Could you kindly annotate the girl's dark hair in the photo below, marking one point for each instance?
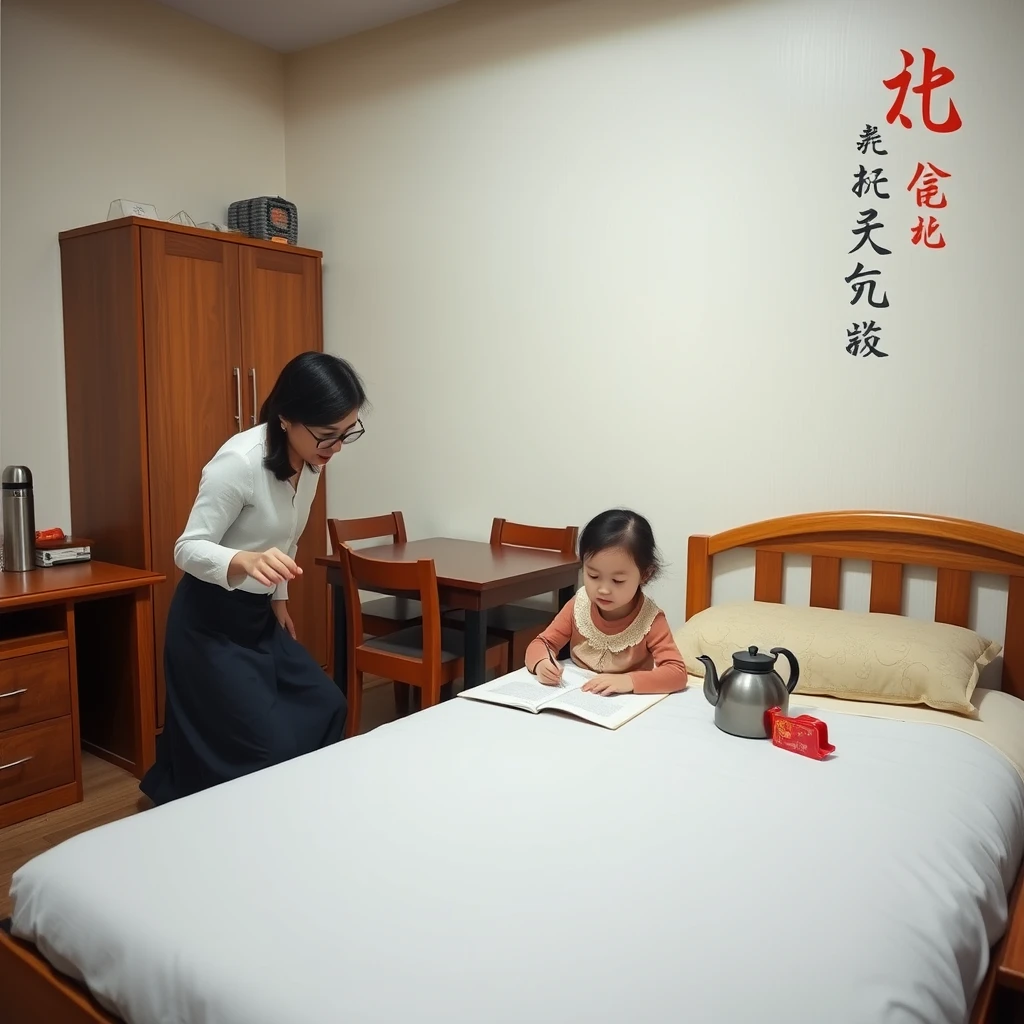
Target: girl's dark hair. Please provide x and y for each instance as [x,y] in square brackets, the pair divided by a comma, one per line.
[621,528]
[314,389]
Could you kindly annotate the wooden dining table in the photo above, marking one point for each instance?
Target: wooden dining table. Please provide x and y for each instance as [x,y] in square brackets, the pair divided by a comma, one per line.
[473,575]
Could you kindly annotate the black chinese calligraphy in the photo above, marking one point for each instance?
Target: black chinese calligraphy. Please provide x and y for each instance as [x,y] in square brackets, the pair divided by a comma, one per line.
[865,181]
[867,225]
[864,338]
[862,281]
[870,139]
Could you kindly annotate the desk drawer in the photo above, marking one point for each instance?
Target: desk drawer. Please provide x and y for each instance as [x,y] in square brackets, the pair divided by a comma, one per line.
[36,758]
[34,688]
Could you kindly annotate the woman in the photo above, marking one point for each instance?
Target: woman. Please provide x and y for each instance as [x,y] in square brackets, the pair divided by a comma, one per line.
[242,692]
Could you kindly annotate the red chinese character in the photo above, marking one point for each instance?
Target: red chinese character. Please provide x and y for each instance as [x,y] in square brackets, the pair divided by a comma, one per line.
[933,78]
[919,232]
[929,188]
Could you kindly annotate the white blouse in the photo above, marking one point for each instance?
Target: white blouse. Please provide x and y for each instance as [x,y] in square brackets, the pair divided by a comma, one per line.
[242,506]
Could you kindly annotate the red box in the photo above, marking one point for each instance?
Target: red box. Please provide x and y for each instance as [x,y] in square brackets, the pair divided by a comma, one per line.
[804,735]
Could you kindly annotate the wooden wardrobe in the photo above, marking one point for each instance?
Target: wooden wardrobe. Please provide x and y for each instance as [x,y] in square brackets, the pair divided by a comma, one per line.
[173,337]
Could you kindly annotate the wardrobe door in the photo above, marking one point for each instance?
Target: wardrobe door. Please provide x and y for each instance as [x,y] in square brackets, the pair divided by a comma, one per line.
[281,316]
[193,387]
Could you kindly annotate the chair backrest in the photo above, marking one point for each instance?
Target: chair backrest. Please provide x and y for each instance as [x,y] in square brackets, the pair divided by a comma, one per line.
[344,530]
[417,578]
[548,538]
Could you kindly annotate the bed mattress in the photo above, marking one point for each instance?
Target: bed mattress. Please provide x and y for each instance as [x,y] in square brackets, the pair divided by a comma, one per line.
[477,863]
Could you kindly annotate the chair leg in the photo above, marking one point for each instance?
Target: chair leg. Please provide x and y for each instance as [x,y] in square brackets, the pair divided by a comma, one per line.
[497,661]
[429,696]
[401,699]
[518,645]
[355,705]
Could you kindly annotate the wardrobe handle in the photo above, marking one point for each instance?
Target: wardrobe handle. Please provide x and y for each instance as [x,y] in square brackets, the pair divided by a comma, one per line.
[14,764]
[252,376]
[14,693]
[238,397]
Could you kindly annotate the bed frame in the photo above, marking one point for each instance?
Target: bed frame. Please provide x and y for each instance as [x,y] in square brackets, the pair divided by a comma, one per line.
[956,549]
[31,992]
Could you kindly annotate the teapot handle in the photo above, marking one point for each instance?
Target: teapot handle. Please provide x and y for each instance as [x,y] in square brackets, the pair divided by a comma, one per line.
[794,667]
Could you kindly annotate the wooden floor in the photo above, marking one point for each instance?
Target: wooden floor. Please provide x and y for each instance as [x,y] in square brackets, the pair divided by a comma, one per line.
[111,793]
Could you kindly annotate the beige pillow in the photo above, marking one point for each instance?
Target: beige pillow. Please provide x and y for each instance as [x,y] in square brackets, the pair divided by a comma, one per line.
[888,659]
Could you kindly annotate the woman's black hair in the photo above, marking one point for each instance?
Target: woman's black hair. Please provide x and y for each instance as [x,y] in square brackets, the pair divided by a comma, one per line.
[314,389]
[622,528]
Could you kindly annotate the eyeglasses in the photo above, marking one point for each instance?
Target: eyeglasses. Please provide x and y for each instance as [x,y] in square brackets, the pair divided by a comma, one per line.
[348,437]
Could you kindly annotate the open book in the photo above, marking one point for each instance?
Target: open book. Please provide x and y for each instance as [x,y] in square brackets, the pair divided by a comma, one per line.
[521,690]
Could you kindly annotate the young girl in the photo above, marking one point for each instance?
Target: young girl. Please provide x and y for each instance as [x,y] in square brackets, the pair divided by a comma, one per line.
[611,626]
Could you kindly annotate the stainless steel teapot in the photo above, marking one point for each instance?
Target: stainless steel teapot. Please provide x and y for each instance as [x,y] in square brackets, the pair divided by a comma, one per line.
[748,689]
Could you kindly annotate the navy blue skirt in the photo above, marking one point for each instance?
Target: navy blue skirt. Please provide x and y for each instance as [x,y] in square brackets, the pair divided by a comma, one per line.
[241,693]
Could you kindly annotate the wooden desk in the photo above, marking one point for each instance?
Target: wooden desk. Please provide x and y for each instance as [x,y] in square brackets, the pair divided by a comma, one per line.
[76,669]
[473,575]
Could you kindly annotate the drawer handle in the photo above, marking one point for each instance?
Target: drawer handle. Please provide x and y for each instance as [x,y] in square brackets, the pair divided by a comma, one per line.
[14,693]
[14,764]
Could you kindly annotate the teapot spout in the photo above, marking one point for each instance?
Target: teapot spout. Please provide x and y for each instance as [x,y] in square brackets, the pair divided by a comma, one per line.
[710,679]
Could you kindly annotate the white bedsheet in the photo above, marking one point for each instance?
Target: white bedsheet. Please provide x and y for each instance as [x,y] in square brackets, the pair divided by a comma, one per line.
[475,863]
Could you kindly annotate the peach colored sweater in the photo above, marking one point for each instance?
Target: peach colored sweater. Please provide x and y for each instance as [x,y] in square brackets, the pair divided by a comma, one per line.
[640,644]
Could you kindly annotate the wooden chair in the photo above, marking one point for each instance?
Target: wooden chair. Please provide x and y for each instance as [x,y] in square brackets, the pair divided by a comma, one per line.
[386,614]
[383,615]
[427,656]
[518,625]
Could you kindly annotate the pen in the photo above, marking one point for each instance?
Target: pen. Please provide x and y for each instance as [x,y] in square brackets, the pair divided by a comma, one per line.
[552,659]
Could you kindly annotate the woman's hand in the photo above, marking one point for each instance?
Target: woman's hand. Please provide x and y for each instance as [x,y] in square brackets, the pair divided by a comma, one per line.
[281,613]
[267,567]
[607,684]
[549,673]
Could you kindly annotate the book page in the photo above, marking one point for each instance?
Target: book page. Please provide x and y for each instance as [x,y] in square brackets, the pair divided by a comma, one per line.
[529,691]
[573,677]
[519,689]
[611,711]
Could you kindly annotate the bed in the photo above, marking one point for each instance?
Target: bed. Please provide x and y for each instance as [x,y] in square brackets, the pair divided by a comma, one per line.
[475,863]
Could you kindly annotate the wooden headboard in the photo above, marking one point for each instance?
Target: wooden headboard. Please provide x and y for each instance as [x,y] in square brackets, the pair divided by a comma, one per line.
[956,548]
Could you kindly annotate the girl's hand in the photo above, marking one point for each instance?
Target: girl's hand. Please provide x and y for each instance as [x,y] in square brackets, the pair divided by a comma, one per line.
[281,613]
[607,684]
[549,674]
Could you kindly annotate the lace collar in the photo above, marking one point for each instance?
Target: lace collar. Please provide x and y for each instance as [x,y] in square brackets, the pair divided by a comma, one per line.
[615,643]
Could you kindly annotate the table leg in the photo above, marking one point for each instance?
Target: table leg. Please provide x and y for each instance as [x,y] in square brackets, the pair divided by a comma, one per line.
[476,649]
[145,682]
[340,643]
[565,595]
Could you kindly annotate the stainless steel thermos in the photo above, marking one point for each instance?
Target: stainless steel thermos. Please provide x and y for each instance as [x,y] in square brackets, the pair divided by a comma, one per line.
[19,518]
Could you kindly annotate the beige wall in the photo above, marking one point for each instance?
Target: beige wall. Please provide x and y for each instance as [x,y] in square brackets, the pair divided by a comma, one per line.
[585,253]
[591,253]
[102,101]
